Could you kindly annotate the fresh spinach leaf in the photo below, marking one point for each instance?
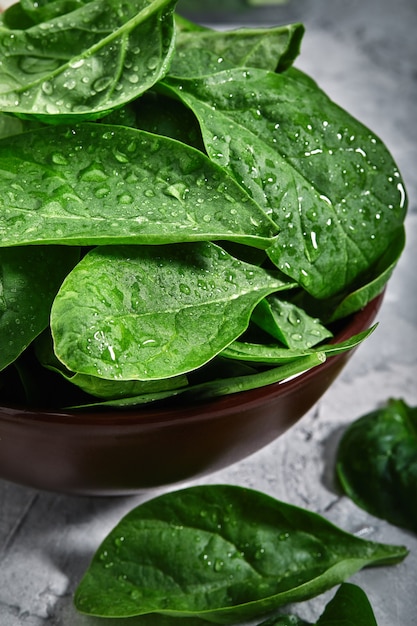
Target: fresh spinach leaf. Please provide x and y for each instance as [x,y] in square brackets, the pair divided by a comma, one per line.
[154,312]
[200,53]
[90,59]
[377,463]
[331,186]
[29,281]
[289,324]
[100,387]
[226,386]
[221,553]
[102,184]
[274,354]
[349,607]
[379,276]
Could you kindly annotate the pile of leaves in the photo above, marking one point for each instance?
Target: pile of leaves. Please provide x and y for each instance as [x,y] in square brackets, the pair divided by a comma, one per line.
[181,210]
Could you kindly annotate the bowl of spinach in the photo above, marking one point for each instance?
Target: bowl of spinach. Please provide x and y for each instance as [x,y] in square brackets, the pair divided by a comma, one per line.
[194,239]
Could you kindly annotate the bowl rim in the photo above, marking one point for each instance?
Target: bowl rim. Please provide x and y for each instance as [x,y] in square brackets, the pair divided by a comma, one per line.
[209,409]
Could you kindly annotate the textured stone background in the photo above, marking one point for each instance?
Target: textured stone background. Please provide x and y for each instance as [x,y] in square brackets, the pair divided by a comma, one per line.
[363,53]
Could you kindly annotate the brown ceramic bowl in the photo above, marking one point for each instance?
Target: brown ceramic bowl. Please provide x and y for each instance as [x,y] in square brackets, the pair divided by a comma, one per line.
[115,452]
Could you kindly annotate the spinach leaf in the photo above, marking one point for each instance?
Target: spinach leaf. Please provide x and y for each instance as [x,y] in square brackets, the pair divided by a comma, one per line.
[90,59]
[377,463]
[100,387]
[331,186]
[200,53]
[97,184]
[349,607]
[146,312]
[226,386]
[290,324]
[222,553]
[29,281]
[380,274]
[274,354]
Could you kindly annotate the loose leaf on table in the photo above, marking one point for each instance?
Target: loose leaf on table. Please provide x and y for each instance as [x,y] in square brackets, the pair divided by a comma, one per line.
[331,186]
[222,553]
[148,312]
[198,53]
[377,463]
[270,354]
[97,184]
[29,280]
[349,607]
[84,62]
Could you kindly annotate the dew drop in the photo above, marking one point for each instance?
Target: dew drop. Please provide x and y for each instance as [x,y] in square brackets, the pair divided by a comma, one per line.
[102,83]
[59,159]
[47,88]
[76,63]
[152,63]
[125,198]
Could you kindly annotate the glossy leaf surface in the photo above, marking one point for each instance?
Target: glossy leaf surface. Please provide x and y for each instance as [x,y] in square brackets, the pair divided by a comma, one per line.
[275,354]
[221,553]
[198,53]
[97,184]
[330,185]
[349,607]
[146,312]
[29,281]
[289,324]
[90,59]
[377,463]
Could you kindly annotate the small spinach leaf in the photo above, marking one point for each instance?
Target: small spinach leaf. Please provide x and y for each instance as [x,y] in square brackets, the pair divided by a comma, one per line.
[222,553]
[29,281]
[331,186]
[377,463]
[87,61]
[288,323]
[154,311]
[275,354]
[102,184]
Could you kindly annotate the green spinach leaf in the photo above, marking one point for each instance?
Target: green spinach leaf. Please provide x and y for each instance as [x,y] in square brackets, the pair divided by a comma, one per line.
[274,354]
[349,607]
[289,324]
[221,553]
[90,59]
[102,184]
[377,463]
[198,53]
[330,185]
[100,387]
[146,312]
[29,281]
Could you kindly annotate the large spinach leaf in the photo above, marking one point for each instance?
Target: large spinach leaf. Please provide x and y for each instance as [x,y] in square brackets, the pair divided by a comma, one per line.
[221,553]
[29,281]
[377,463]
[146,312]
[328,182]
[96,184]
[90,59]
